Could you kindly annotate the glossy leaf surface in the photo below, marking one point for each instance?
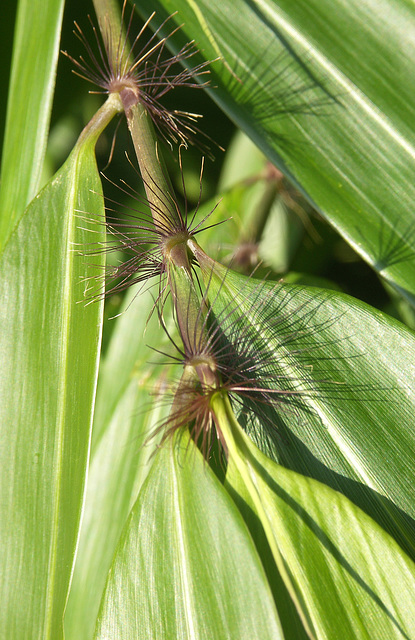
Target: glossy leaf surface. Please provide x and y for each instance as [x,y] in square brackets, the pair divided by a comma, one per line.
[323,544]
[124,442]
[187,540]
[49,345]
[343,402]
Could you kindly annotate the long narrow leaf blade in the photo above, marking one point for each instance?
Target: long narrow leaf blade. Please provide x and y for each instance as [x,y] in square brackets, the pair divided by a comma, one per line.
[347,572]
[49,346]
[35,56]
[341,375]
[130,402]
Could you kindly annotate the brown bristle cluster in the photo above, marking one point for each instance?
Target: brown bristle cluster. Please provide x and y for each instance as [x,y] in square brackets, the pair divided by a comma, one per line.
[144,71]
[224,354]
[143,238]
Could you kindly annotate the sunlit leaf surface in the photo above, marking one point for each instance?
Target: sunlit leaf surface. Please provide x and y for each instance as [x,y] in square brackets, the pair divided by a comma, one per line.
[35,56]
[324,545]
[132,398]
[185,560]
[49,346]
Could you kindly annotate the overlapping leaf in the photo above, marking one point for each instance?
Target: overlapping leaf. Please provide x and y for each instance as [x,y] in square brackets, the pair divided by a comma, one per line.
[35,56]
[185,560]
[49,345]
[128,409]
[342,569]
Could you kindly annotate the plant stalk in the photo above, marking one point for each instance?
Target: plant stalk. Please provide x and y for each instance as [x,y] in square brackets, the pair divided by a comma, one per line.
[102,118]
[158,188]
[144,139]
[141,127]
[109,20]
[186,301]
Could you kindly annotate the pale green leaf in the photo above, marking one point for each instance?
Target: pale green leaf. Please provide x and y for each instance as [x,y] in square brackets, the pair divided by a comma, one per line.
[32,82]
[343,402]
[49,346]
[128,409]
[185,561]
[349,65]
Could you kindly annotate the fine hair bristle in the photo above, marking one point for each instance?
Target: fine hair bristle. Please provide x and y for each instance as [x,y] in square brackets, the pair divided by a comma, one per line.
[144,66]
[140,236]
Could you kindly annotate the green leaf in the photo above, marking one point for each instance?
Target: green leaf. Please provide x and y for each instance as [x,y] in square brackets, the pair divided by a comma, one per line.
[32,82]
[354,156]
[127,356]
[49,345]
[128,408]
[343,401]
[344,570]
[185,560]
